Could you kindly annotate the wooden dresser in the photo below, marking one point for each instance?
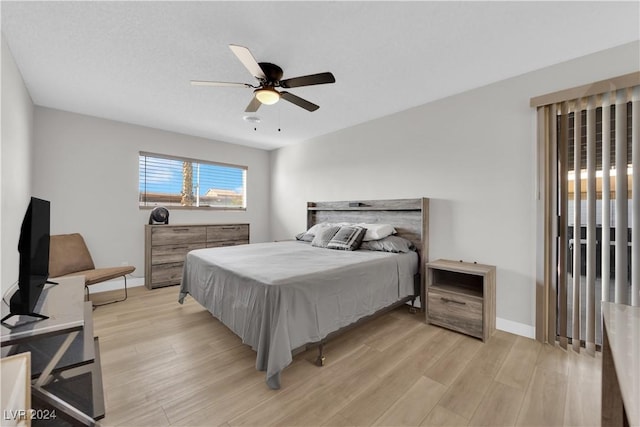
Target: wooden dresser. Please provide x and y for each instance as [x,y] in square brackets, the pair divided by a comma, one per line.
[166,246]
[462,296]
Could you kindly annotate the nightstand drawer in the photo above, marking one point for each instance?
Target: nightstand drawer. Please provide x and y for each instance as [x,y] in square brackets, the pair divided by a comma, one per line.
[462,313]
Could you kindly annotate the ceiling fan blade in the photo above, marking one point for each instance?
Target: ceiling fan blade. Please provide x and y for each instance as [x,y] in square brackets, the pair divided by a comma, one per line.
[247,59]
[223,84]
[309,106]
[253,106]
[312,79]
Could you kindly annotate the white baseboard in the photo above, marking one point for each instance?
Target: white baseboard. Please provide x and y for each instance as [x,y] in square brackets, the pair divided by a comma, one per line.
[516,328]
[115,284]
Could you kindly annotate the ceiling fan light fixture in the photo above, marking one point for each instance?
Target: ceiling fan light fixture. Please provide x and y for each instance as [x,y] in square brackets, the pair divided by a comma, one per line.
[267,95]
[269,78]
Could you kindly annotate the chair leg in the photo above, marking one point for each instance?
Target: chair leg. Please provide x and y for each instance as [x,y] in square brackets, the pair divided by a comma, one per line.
[118,300]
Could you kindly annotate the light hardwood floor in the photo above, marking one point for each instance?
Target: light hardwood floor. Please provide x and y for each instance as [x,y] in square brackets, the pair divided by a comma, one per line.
[166,364]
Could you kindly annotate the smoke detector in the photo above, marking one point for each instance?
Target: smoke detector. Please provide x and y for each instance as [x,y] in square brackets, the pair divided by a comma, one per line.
[251,119]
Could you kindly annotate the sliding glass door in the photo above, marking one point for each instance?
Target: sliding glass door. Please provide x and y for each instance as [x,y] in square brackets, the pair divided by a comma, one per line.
[589,148]
[595,200]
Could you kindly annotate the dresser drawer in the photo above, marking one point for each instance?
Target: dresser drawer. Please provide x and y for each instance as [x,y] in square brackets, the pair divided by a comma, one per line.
[462,313]
[172,253]
[166,274]
[166,247]
[226,233]
[178,235]
[229,243]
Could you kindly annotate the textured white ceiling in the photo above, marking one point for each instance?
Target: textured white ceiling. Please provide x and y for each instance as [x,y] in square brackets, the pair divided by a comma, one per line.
[132,61]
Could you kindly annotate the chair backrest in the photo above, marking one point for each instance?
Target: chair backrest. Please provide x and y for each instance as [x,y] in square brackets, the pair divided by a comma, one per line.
[68,254]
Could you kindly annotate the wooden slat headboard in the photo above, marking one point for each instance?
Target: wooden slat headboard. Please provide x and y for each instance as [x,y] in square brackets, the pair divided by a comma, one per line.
[410,218]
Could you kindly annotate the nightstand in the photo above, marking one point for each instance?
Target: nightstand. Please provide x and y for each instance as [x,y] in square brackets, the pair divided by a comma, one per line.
[461,296]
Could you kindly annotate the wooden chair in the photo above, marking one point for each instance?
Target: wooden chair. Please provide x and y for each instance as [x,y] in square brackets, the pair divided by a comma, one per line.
[69,256]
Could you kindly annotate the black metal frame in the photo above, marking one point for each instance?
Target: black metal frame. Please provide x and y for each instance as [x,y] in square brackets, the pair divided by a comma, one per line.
[86,287]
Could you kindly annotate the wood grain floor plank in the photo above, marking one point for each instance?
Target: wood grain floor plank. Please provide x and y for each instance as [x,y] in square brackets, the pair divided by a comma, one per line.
[407,348]
[414,405]
[499,407]
[136,414]
[198,398]
[451,364]
[169,364]
[402,327]
[443,417]
[337,421]
[218,412]
[553,358]
[544,401]
[489,358]
[583,409]
[466,392]
[518,366]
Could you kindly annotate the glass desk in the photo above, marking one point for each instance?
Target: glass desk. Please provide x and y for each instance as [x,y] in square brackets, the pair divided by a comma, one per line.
[65,357]
[620,365]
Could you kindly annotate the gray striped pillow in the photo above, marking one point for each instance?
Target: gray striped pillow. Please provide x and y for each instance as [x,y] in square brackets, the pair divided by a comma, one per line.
[348,238]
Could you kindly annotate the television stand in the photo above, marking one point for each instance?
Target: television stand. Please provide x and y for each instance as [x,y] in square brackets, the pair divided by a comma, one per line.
[36,315]
[10,315]
[66,376]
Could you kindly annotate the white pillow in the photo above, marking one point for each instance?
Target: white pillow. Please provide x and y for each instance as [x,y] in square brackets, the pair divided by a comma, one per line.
[377,231]
[316,228]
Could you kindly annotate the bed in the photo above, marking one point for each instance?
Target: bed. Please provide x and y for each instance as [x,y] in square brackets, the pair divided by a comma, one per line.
[281,296]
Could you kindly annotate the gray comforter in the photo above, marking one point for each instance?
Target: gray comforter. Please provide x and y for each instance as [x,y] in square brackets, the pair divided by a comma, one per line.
[280,296]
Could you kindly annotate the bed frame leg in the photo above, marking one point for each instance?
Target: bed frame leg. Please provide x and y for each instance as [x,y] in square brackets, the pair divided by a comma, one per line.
[321,359]
[412,308]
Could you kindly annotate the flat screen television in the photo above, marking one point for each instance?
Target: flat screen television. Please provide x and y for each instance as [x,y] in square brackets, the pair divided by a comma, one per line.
[33,247]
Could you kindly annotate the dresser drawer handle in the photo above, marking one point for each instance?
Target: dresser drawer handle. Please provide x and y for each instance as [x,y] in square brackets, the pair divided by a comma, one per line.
[452,300]
[229,228]
[180,229]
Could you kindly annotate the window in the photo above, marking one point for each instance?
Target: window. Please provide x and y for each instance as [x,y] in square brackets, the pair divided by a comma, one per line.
[177,181]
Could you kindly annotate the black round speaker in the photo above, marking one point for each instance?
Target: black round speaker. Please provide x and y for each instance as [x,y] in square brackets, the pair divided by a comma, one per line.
[159,215]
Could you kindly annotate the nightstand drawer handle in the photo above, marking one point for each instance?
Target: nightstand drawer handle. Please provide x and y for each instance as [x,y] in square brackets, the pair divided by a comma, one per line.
[452,300]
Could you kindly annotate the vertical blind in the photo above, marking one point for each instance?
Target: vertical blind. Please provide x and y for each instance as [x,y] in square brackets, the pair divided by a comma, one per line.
[595,141]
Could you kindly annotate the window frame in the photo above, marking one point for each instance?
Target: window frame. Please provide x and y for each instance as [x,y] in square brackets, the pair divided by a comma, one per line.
[244,168]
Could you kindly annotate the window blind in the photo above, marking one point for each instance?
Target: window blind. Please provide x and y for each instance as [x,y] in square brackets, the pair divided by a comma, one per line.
[597,204]
[191,183]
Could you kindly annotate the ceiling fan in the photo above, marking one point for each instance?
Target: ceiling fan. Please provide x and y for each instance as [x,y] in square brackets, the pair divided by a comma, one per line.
[268,76]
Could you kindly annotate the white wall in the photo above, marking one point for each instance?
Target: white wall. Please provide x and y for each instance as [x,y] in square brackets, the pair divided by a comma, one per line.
[88,168]
[473,154]
[15,164]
